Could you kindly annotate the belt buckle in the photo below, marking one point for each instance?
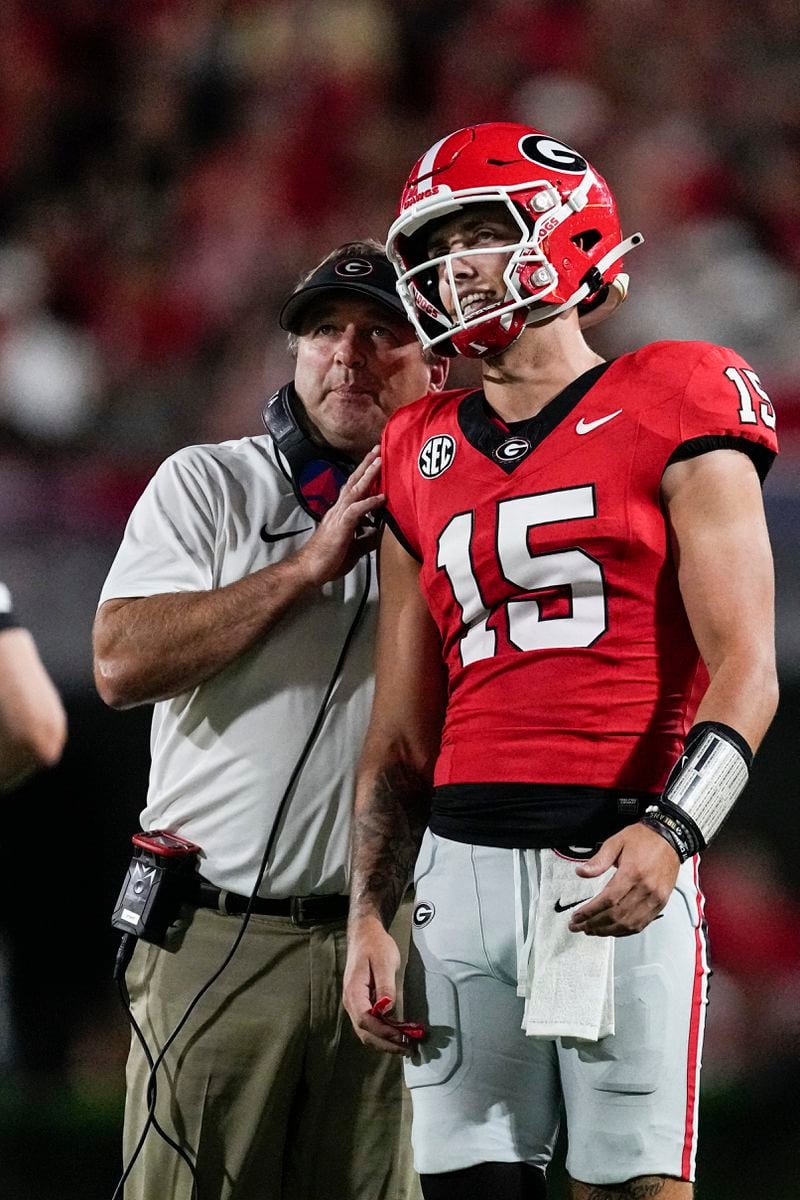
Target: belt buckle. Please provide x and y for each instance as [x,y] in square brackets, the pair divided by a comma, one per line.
[297,910]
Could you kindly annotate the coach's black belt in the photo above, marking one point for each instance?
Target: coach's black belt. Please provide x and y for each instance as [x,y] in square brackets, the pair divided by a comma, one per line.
[303,910]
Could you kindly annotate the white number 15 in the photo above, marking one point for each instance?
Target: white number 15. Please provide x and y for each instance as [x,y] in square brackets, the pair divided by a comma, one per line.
[569,568]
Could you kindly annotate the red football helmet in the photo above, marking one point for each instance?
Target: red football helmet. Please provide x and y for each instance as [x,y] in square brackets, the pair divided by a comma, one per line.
[569,250]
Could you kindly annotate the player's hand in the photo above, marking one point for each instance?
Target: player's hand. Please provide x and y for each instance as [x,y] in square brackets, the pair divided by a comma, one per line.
[340,538]
[373,964]
[647,868]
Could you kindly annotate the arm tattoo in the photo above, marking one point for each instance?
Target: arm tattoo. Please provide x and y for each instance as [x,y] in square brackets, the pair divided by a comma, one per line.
[643,1188]
[386,838]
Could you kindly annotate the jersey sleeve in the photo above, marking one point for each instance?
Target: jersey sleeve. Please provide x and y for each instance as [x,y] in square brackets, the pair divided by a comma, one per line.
[400,511]
[725,406]
[169,541]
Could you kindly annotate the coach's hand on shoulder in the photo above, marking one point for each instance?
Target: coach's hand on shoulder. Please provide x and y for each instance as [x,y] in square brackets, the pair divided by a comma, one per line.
[373,964]
[647,868]
[340,539]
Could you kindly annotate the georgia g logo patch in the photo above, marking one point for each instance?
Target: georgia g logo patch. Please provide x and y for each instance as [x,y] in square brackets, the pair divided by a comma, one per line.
[353,266]
[436,455]
[547,152]
[423,913]
[512,449]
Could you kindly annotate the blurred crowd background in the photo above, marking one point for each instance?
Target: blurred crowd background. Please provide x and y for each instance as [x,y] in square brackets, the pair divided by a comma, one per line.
[168,168]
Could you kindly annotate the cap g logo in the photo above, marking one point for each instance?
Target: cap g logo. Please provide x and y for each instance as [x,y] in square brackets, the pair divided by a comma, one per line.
[436,455]
[351,267]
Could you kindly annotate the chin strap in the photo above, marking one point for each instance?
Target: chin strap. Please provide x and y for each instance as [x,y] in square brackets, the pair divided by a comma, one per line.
[592,282]
[606,302]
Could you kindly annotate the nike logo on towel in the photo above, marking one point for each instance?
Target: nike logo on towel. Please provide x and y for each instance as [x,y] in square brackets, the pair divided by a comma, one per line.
[266,536]
[559,907]
[588,426]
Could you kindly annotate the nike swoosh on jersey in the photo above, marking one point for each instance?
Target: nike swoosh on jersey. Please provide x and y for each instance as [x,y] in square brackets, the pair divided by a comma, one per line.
[266,536]
[587,426]
[559,907]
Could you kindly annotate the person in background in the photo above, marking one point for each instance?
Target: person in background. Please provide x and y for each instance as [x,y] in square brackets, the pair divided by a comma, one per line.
[242,604]
[576,664]
[33,724]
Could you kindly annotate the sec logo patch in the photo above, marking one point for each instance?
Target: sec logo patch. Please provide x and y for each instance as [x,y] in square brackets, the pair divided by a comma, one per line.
[423,913]
[436,455]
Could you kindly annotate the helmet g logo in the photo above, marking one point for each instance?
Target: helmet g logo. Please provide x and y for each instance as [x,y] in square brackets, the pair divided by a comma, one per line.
[547,152]
[353,266]
[436,455]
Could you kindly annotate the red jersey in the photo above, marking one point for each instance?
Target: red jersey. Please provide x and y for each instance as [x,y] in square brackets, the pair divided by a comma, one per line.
[546,564]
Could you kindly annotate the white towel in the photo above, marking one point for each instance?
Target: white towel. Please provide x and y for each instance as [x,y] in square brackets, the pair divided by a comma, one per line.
[567,978]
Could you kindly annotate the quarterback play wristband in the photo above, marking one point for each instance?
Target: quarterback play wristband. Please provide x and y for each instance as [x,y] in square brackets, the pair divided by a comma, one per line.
[702,788]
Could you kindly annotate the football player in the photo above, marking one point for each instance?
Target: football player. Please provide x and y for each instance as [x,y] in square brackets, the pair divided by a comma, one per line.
[575,654]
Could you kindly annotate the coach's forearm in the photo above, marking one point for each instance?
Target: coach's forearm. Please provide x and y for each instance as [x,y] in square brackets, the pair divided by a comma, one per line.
[154,647]
[391,812]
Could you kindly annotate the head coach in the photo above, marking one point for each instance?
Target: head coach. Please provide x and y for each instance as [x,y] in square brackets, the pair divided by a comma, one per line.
[241,604]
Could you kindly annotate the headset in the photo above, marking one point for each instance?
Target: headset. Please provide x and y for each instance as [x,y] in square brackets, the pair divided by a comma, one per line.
[317,474]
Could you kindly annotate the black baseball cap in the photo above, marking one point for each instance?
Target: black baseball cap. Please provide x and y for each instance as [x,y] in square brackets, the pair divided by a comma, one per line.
[369,274]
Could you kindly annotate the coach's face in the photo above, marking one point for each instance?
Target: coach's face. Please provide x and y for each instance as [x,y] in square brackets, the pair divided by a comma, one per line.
[358,361]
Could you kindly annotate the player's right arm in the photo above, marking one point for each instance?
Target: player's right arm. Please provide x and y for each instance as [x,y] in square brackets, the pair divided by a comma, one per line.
[151,648]
[393,786]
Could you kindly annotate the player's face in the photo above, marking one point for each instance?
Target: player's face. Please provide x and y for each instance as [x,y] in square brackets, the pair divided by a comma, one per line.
[478,278]
[357,361]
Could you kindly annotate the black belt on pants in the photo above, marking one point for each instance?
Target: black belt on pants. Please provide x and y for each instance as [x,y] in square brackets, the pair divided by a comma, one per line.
[303,910]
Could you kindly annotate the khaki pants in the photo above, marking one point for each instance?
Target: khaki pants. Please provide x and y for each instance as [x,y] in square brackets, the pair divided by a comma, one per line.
[266,1088]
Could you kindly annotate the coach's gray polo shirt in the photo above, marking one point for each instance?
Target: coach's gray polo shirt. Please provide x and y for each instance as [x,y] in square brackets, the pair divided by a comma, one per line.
[223,753]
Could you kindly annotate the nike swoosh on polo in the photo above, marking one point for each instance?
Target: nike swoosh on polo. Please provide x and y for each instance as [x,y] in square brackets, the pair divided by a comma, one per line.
[587,426]
[266,536]
[559,907]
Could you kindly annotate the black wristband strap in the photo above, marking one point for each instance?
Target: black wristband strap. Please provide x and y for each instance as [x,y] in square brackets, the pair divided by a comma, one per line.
[675,827]
[652,821]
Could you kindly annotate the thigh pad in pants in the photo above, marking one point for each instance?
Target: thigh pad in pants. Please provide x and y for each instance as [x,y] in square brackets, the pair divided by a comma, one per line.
[481,1090]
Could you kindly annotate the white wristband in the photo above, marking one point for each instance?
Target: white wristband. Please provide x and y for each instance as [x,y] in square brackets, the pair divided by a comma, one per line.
[709,777]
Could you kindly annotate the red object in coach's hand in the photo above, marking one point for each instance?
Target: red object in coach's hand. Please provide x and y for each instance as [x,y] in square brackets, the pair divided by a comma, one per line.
[411,1029]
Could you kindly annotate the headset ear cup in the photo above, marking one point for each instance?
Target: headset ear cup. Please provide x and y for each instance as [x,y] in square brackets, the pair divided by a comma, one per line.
[279,418]
[317,472]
